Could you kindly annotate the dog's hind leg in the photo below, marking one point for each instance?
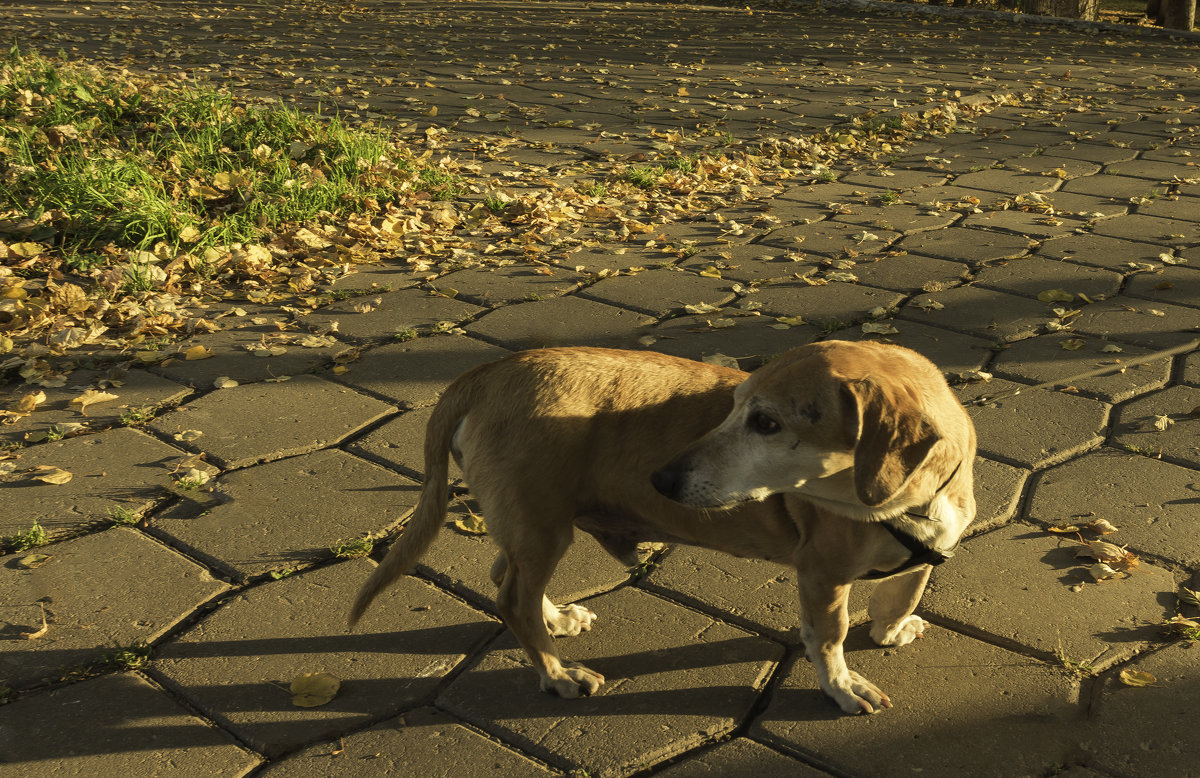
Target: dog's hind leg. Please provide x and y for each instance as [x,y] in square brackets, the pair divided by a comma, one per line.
[561,620]
[892,604]
[523,606]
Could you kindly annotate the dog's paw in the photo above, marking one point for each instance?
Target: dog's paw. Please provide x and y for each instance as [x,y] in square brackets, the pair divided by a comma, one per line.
[568,620]
[576,681]
[901,633]
[855,694]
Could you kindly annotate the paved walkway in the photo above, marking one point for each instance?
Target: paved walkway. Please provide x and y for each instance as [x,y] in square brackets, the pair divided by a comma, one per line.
[1073,167]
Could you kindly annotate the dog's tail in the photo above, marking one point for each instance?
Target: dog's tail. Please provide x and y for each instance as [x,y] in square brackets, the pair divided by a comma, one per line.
[430,512]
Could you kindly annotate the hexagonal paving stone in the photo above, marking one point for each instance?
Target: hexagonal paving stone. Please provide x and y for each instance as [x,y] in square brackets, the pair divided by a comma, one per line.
[112,588]
[675,678]
[424,742]
[1036,428]
[113,725]
[834,304]
[750,340]
[1150,501]
[400,445]
[1174,207]
[563,321]
[238,352]
[137,390]
[493,285]
[235,665]
[900,217]
[998,489]
[376,317]
[246,424]
[1030,276]
[947,690]
[1028,588]
[460,562]
[1149,730]
[1115,187]
[1058,356]
[1090,249]
[756,594]
[1007,181]
[996,316]
[286,514]
[740,757]
[1179,285]
[415,373]
[966,245]
[1153,325]
[658,292]
[1150,229]
[1135,425]
[831,239]
[953,352]
[910,273]
[118,470]
[753,262]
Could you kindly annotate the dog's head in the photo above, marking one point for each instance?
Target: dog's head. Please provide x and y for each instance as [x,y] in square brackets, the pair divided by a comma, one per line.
[851,425]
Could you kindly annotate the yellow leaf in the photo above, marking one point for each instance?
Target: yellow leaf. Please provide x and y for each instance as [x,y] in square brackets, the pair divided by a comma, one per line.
[52,475]
[791,321]
[711,272]
[33,561]
[472,524]
[91,397]
[1063,528]
[1074,344]
[1131,677]
[27,403]
[197,352]
[340,370]
[313,689]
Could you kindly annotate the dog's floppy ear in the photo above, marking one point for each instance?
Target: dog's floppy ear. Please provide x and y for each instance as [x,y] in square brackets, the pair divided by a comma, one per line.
[894,438]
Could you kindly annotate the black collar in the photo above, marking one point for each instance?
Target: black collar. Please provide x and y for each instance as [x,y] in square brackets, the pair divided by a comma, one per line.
[919,553]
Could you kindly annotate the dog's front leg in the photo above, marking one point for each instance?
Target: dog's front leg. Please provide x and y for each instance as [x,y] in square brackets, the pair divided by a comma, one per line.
[824,623]
[892,604]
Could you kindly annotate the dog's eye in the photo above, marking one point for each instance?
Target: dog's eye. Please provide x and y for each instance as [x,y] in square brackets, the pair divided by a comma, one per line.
[762,423]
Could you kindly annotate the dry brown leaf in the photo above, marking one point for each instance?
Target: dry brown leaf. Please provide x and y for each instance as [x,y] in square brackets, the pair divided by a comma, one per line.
[41,632]
[197,352]
[51,475]
[27,403]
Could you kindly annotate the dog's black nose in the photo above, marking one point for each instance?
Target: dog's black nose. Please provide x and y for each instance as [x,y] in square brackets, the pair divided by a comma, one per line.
[666,481]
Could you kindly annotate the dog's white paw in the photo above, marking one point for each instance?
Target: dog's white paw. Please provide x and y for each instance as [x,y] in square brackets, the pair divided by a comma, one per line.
[901,633]
[567,620]
[573,682]
[855,694]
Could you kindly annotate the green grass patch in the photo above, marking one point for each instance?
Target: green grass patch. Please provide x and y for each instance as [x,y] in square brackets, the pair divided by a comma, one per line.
[96,158]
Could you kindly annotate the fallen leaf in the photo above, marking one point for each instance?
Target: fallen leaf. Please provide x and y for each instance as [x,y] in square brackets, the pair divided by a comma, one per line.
[1189,597]
[701,308]
[92,397]
[1101,526]
[879,328]
[33,561]
[472,524]
[52,475]
[1063,529]
[1112,348]
[791,321]
[1102,550]
[314,689]
[224,382]
[1131,677]
[197,352]
[41,632]
[1074,344]
[1162,422]
[27,403]
[187,435]
[1056,296]
[1101,571]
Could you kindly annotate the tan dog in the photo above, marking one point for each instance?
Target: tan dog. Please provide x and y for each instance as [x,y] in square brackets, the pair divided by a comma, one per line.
[844,460]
